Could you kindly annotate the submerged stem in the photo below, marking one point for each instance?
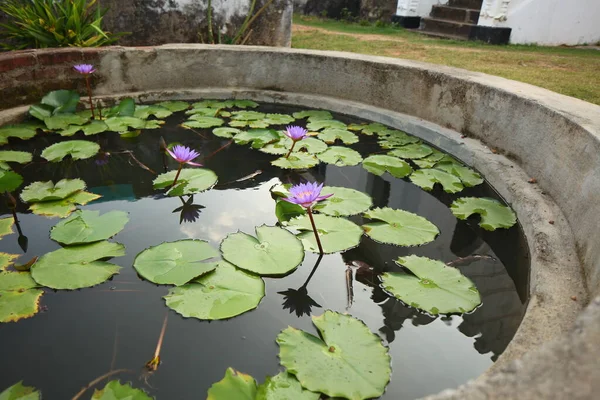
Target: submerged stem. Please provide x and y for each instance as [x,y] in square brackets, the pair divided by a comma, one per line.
[312,221]
[177,175]
[291,149]
[89,89]
[98,380]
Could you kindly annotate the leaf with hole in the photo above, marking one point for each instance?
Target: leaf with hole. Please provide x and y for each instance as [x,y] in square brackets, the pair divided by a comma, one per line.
[63,208]
[432,287]
[399,227]
[336,234]
[258,137]
[330,135]
[77,267]
[224,293]
[234,386]
[347,360]
[20,392]
[114,390]
[190,181]
[284,386]
[380,164]
[340,156]
[296,161]
[344,202]
[9,181]
[426,178]
[77,149]
[176,263]
[48,191]
[493,214]
[274,251]
[88,227]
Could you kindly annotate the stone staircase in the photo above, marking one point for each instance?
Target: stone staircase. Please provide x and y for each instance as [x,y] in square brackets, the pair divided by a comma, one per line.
[455,20]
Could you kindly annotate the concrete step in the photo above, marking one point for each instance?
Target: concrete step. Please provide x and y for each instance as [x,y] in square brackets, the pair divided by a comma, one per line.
[455,14]
[454,28]
[472,4]
[438,35]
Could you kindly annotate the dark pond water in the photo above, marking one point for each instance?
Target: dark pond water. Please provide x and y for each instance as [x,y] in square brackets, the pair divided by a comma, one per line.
[83,334]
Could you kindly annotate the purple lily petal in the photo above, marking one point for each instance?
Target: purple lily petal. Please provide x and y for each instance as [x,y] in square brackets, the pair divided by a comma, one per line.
[295,133]
[194,164]
[184,155]
[306,194]
[84,69]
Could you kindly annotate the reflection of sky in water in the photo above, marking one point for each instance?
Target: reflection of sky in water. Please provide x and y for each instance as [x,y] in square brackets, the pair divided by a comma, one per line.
[64,348]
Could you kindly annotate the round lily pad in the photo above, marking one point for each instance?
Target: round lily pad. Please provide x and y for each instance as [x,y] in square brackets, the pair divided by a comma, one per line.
[344,202]
[379,164]
[21,157]
[20,392]
[313,115]
[435,287]
[234,386]
[318,124]
[296,161]
[63,208]
[144,112]
[349,361]
[200,121]
[399,227]
[336,234]
[6,226]
[88,226]
[330,135]
[114,390]
[412,151]
[48,191]
[16,304]
[468,177]
[176,263]
[274,251]
[284,386]
[190,181]
[221,294]
[340,156]
[21,131]
[391,139]
[78,266]
[174,106]
[258,137]
[226,132]
[9,181]
[279,119]
[493,214]
[77,149]
[426,178]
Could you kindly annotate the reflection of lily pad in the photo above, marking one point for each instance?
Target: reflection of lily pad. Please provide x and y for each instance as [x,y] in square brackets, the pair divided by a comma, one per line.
[48,191]
[340,156]
[115,391]
[344,202]
[380,164]
[284,386]
[336,234]
[78,266]
[9,181]
[349,361]
[176,263]
[426,178]
[399,227]
[296,161]
[77,149]
[274,251]
[493,214]
[63,208]
[435,287]
[190,181]
[20,392]
[221,294]
[88,226]
[330,135]
[234,386]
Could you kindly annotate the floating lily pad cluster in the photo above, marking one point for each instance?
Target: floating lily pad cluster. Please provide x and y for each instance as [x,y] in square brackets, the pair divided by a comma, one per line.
[113,390]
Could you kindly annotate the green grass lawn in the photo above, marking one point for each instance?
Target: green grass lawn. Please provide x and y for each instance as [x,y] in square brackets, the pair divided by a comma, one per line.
[570,71]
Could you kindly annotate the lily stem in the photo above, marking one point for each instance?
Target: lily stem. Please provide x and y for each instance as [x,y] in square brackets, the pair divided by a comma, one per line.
[177,175]
[89,89]
[291,149]
[312,221]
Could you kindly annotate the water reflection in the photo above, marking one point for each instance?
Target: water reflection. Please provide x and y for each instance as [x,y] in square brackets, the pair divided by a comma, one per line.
[298,300]
[188,211]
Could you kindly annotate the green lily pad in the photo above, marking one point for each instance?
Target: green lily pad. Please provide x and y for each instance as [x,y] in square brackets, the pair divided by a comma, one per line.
[330,135]
[336,234]
[176,263]
[63,208]
[77,267]
[256,124]
[190,181]
[283,145]
[344,202]
[426,178]
[234,386]
[21,131]
[467,176]
[62,121]
[200,121]
[16,281]
[310,145]
[41,111]
[274,251]
[399,227]
[48,191]
[340,156]
[412,151]
[278,119]
[20,157]
[92,128]
[391,139]
[284,386]
[226,132]
[9,181]
[313,115]
[244,103]
[431,160]
[296,161]
[213,104]
[5,258]
[125,108]
[124,123]
[247,115]
[370,129]
[380,164]
[493,214]
[16,305]
[258,137]
[317,125]
[89,226]
[174,106]
[349,361]
[6,226]
[115,391]
[20,392]
[435,287]
[144,112]
[62,101]
[224,293]
[280,147]
[77,149]
[285,211]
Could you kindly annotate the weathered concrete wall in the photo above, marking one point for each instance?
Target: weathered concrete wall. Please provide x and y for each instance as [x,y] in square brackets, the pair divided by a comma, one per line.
[514,132]
[372,10]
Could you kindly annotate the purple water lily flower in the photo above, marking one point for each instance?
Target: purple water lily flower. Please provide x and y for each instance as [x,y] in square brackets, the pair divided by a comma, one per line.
[296,133]
[184,155]
[84,69]
[306,194]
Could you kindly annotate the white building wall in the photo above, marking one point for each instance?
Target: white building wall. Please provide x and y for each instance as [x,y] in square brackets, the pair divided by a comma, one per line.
[545,22]
[417,8]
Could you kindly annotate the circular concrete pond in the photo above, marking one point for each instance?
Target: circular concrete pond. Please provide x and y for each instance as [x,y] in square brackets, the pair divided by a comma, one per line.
[539,150]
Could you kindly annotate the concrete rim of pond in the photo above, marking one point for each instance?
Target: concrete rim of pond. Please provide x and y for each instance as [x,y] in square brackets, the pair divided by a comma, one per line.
[511,132]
